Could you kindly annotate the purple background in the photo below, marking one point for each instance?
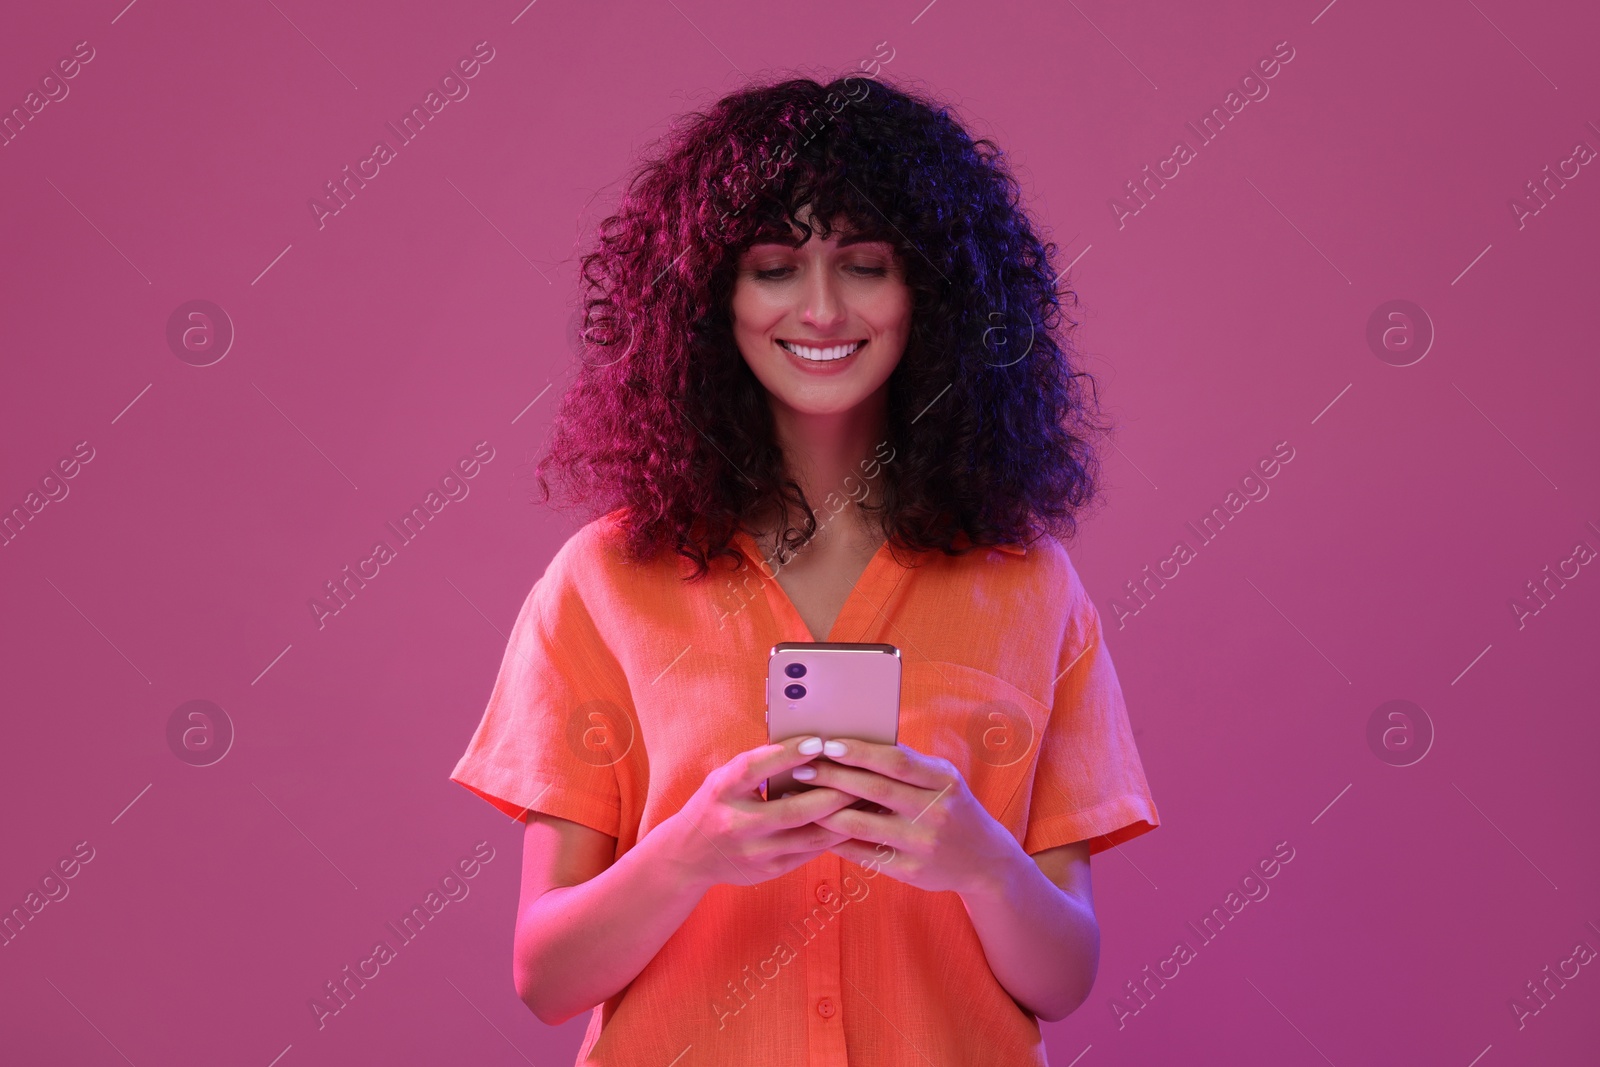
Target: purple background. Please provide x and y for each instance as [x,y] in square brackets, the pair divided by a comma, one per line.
[1228,314]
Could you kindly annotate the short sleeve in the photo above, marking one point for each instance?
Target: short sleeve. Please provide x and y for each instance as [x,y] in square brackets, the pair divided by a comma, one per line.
[1089,784]
[559,718]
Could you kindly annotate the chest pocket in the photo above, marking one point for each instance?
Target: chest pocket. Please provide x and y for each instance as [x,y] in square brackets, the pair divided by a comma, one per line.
[987,727]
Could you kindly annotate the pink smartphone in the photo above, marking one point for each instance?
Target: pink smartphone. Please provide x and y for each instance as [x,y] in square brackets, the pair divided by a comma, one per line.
[831,689]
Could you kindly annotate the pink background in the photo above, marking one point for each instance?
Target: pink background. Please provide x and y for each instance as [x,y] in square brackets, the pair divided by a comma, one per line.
[431,312]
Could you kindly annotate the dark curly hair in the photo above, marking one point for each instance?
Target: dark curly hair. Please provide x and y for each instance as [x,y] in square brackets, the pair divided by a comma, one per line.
[988,415]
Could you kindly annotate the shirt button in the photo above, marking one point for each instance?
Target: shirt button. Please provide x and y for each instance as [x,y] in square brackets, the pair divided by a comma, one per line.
[824,892]
[825,1007]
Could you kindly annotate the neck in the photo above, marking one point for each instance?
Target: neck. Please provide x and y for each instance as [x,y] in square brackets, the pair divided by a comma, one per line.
[826,454]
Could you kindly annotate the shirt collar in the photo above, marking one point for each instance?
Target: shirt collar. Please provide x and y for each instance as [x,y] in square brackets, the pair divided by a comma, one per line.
[751,550]
[963,541]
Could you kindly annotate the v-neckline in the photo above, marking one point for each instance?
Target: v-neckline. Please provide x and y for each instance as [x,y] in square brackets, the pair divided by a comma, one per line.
[881,574]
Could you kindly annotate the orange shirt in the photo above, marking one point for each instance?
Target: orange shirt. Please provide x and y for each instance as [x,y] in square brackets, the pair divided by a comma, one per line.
[622,687]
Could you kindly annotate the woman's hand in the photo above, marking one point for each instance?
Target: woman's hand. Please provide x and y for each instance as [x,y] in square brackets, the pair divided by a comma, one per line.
[943,838]
[728,834]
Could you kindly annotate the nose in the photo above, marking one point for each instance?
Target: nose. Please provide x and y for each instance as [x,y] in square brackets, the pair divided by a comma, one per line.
[824,307]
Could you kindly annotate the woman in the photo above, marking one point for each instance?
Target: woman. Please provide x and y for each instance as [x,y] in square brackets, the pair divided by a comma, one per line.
[814,295]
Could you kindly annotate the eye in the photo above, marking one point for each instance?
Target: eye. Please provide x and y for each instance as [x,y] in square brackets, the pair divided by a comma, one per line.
[860,270]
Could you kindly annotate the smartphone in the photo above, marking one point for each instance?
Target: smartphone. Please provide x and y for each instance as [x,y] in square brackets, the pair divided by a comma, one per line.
[831,689]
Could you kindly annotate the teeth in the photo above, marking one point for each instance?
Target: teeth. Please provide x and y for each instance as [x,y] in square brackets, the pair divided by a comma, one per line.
[822,355]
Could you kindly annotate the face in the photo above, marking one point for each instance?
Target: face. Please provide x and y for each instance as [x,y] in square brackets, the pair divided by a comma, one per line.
[823,324]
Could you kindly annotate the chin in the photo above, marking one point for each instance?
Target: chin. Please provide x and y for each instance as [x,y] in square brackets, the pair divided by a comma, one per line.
[837,387]
[815,406]
[824,400]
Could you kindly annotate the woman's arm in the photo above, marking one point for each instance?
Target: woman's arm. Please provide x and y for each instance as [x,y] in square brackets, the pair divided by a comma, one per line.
[1035,917]
[581,932]
[586,926]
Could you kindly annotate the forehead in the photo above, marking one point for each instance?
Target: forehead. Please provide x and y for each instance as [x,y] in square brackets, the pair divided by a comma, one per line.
[843,235]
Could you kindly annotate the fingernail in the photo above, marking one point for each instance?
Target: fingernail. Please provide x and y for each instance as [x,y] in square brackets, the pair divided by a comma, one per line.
[805,774]
[833,748]
[811,746]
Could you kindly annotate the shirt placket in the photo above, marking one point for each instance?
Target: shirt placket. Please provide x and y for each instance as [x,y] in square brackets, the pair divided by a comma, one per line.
[860,617]
[824,1007]
[818,930]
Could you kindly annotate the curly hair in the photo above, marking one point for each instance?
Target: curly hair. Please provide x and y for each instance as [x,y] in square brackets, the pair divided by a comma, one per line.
[991,421]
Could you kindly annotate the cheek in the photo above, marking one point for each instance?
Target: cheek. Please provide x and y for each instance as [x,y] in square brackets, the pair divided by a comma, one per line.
[754,311]
[890,309]
[889,314]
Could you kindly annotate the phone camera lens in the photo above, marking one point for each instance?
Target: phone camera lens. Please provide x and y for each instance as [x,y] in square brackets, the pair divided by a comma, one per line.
[794,692]
[795,670]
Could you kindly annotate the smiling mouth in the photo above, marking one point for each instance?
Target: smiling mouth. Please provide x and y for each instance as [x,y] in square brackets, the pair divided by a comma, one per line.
[822,355]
